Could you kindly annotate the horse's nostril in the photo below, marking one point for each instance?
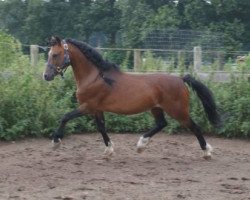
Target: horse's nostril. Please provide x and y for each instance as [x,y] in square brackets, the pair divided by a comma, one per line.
[45,76]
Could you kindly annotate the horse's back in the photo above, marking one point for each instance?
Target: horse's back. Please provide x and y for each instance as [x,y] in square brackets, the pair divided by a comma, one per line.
[162,84]
[135,93]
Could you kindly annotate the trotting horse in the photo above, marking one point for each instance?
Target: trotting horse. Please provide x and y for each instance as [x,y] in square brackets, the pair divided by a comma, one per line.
[102,87]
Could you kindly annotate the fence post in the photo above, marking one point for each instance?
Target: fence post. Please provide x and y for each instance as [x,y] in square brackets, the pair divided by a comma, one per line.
[197,58]
[220,56]
[137,60]
[34,55]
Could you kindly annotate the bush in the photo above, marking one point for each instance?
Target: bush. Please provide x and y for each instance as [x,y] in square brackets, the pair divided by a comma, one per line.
[30,106]
[150,63]
[234,101]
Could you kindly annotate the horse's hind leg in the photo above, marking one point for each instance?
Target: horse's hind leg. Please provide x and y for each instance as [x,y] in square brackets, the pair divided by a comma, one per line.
[207,148]
[160,122]
[99,117]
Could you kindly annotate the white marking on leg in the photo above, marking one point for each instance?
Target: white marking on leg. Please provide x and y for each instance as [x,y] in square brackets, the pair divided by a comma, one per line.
[208,152]
[56,145]
[142,143]
[109,151]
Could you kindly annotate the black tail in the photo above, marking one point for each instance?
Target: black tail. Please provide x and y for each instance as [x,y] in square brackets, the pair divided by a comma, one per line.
[206,98]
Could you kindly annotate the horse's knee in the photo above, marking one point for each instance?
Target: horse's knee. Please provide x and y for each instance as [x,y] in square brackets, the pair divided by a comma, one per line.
[65,118]
[161,123]
[71,115]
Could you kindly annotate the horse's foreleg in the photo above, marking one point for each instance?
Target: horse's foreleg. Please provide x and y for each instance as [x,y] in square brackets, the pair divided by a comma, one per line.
[160,122]
[58,135]
[100,121]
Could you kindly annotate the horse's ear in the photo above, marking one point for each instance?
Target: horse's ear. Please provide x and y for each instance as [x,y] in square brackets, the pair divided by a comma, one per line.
[55,41]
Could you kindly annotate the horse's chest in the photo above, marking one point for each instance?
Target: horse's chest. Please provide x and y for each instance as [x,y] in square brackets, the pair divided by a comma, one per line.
[92,98]
[83,97]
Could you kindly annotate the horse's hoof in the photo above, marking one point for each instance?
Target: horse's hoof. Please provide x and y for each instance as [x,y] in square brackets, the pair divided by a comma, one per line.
[56,145]
[208,152]
[109,151]
[141,144]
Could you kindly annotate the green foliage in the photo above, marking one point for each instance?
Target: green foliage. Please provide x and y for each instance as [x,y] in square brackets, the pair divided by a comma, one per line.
[29,106]
[8,45]
[150,63]
[234,101]
[233,104]
[115,56]
[127,63]
[34,21]
[166,16]
[244,66]
[134,21]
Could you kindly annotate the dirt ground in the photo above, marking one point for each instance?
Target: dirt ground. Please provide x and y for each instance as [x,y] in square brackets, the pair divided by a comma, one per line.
[171,168]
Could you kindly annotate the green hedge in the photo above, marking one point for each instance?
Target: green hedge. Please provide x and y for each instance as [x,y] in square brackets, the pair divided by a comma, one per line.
[30,106]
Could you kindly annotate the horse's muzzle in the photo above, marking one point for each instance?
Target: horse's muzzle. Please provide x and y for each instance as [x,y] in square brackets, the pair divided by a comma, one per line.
[48,77]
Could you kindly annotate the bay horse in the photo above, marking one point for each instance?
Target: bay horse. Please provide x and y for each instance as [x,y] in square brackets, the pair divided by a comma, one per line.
[103,87]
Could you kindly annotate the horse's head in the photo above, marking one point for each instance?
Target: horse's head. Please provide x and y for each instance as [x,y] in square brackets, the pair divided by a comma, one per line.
[58,59]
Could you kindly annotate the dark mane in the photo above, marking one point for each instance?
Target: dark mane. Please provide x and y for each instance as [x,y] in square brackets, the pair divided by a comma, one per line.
[94,56]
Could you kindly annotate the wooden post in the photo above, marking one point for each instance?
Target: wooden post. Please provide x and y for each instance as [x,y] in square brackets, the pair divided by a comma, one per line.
[34,55]
[197,58]
[220,56]
[137,60]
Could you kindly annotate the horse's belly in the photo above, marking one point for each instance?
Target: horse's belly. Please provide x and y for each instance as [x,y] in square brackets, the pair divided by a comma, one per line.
[128,110]
[131,105]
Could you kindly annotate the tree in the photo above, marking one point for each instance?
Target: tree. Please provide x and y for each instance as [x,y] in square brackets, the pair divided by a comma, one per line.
[12,15]
[134,21]
[101,16]
[32,21]
[198,13]
[166,17]
[216,16]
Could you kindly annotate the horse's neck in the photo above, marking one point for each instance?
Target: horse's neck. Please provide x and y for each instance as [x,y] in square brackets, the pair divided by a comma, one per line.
[84,71]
